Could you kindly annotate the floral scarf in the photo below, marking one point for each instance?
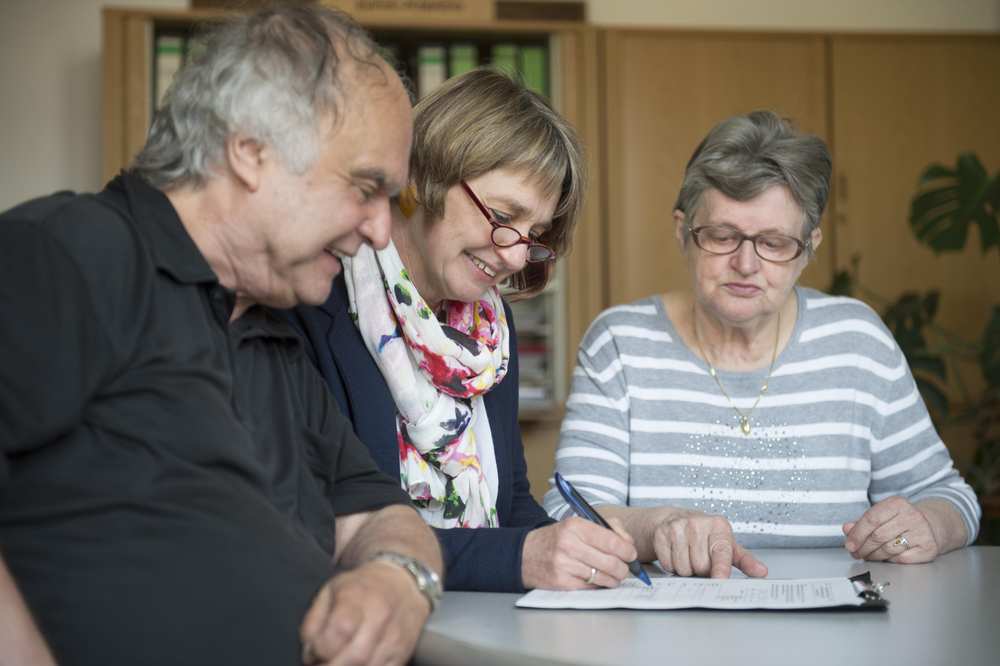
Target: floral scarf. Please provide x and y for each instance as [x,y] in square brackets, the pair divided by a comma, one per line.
[434,370]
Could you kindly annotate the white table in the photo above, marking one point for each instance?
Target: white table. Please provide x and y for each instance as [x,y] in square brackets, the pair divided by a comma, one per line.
[943,613]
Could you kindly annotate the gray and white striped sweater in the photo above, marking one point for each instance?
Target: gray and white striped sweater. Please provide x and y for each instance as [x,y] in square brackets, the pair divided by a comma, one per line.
[841,426]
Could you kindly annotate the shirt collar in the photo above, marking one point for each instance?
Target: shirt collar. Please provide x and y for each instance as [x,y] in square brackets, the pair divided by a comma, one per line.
[171,247]
[174,252]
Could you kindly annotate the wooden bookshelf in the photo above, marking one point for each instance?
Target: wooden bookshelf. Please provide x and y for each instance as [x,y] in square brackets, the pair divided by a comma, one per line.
[129,42]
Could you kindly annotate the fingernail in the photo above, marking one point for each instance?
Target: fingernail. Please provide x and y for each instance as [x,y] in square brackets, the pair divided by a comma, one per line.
[850,546]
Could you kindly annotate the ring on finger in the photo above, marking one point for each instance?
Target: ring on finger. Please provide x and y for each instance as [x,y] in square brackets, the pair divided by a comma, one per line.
[592,576]
[901,540]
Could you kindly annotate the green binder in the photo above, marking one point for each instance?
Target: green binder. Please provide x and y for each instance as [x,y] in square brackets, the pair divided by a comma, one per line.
[535,69]
[462,58]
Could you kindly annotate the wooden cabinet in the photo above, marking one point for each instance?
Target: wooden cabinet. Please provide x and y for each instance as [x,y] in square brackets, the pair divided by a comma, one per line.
[663,91]
[900,103]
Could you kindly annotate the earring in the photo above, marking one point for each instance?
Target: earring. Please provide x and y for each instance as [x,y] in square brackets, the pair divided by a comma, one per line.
[408,201]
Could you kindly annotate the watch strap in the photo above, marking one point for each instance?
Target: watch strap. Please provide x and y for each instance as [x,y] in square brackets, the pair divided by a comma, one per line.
[427,580]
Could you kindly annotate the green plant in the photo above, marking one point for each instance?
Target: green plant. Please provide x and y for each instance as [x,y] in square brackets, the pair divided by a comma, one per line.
[948,202]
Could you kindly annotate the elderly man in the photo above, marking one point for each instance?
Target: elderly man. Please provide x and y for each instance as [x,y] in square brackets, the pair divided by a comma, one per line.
[176,485]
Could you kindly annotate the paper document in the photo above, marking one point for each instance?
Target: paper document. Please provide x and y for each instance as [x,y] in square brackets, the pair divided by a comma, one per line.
[732,594]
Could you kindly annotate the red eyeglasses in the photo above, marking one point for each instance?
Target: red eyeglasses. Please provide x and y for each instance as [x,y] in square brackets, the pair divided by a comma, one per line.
[505,235]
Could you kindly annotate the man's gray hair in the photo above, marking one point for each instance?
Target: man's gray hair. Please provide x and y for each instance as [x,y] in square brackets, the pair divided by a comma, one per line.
[743,156]
[275,75]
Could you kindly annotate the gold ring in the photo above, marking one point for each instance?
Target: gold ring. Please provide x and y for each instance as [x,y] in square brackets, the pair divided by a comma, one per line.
[901,541]
[592,576]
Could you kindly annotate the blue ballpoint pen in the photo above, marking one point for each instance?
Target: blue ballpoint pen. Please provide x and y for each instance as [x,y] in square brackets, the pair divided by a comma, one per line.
[583,509]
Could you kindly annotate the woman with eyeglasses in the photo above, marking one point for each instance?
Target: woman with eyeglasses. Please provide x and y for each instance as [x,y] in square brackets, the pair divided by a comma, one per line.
[419,348]
[746,411]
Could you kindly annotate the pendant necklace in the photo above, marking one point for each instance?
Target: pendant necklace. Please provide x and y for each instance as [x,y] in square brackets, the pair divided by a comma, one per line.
[744,416]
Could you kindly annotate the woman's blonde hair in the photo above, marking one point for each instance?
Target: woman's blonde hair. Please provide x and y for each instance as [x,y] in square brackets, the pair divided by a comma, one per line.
[484,120]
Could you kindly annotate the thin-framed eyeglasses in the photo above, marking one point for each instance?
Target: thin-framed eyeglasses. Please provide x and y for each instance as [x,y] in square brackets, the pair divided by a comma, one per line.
[504,235]
[773,247]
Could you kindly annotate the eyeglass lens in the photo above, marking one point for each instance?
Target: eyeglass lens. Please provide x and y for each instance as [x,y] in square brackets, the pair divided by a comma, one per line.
[770,247]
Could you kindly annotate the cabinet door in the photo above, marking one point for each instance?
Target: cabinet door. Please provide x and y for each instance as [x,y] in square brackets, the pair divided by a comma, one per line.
[901,103]
[663,92]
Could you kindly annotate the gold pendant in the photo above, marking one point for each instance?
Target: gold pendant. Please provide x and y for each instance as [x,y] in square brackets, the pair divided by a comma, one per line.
[745,425]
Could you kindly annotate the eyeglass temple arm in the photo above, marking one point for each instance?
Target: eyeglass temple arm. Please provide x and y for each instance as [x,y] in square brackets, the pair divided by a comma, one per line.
[479,204]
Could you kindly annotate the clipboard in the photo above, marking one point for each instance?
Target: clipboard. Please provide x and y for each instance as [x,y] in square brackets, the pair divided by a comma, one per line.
[857,592]
[871,593]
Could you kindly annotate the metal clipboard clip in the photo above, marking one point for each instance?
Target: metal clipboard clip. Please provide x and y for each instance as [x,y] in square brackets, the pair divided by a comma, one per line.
[869,591]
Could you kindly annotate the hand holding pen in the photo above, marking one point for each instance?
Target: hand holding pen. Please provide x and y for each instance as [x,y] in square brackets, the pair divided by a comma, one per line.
[576,554]
[583,509]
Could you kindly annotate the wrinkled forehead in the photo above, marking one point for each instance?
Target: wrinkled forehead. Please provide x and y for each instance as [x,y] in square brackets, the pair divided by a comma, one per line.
[774,209]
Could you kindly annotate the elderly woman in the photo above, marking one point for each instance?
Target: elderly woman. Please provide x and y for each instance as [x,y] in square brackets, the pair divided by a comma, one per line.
[749,412]
[419,348]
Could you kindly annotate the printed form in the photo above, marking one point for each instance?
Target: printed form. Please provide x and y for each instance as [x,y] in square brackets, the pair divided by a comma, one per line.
[731,594]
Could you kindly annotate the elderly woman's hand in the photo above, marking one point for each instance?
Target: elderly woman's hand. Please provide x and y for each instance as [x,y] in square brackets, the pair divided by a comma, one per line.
[576,554]
[699,544]
[893,530]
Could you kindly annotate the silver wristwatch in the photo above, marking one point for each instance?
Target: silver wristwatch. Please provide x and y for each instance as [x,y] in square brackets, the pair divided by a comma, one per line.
[427,580]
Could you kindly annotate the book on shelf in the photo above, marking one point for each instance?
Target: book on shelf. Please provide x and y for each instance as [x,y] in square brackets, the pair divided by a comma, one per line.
[503,57]
[529,394]
[534,69]
[431,68]
[168,57]
[462,58]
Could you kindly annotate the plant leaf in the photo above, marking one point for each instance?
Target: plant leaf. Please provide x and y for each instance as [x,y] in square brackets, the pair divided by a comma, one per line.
[905,318]
[989,356]
[928,363]
[949,201]
[989,229]
[931,299]
[934,397]
[934,172]
[842,285]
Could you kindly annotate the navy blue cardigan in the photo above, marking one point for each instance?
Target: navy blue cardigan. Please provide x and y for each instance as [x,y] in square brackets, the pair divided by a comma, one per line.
[487,559]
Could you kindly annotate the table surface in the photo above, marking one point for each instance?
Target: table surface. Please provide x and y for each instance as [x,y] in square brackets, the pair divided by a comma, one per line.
[944,612]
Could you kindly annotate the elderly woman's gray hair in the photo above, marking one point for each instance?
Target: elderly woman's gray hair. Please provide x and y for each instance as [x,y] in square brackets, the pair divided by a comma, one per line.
[743,156]
[276,76]
[482,121]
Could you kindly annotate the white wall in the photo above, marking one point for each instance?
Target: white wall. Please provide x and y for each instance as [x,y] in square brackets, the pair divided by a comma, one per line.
[50,95]
[50,65]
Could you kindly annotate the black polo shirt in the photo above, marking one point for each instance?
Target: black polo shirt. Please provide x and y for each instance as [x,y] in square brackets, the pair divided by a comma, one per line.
[169,480]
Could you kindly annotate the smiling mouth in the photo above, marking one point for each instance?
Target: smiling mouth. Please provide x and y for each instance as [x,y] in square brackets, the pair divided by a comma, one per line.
[482,266]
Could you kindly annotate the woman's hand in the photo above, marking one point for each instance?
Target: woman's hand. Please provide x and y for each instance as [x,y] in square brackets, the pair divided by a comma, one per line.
[892,530]
[576,554]
[691,543]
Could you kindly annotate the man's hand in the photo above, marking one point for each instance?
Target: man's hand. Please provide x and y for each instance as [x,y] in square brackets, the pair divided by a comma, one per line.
[369,615]
[699,544]
[562,556]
